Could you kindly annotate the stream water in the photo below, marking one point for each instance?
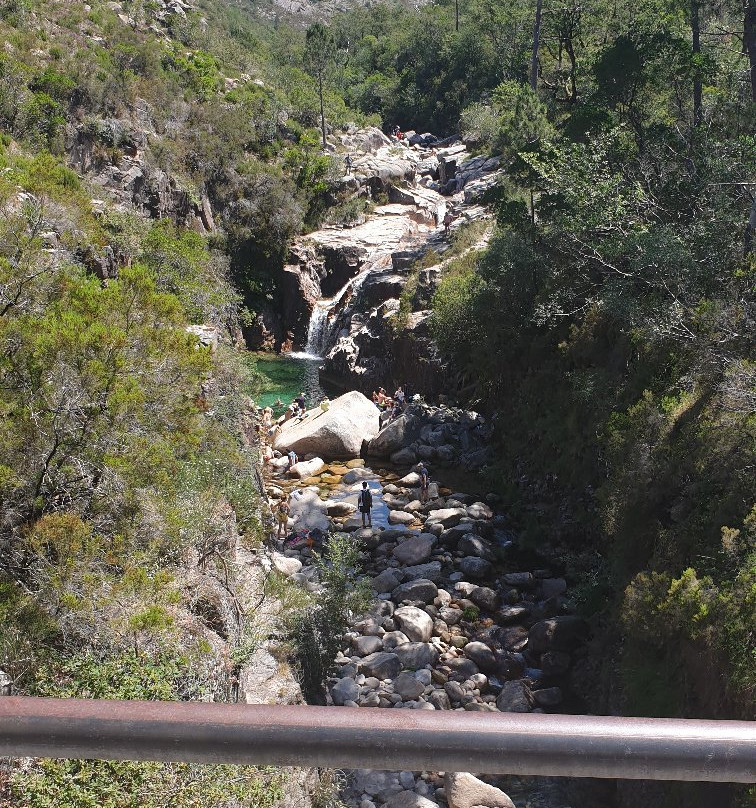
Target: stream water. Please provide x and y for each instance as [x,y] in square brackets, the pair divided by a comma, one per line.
[286,376]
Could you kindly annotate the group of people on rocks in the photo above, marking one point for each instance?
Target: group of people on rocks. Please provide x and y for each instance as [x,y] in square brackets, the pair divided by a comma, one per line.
[385,403]
[297,409]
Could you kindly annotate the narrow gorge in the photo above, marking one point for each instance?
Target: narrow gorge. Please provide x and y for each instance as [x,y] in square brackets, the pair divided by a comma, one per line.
[342,289]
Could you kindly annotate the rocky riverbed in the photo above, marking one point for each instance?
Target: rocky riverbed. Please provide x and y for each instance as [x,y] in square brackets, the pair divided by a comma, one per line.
[459,622]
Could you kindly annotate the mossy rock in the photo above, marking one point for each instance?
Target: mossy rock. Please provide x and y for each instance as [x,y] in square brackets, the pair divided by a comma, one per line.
[357,463]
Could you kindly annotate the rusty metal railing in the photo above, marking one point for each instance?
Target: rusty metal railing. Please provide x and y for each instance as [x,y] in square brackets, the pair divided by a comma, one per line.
[494,743]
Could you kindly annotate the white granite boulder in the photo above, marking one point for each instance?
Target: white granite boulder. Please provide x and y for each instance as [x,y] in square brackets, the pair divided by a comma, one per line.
[339,432]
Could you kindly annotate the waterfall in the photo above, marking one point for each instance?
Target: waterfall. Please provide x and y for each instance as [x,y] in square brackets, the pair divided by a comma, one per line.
[319,327]
[320,331]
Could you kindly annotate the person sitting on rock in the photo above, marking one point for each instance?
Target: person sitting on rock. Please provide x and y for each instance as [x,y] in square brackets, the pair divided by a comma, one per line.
[291,411]
[282,513]
[267,417]
[424,483]
[364,504]
[325,404]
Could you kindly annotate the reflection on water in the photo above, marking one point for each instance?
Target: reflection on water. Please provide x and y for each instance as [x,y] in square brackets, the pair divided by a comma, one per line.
[286,376]
[349,493]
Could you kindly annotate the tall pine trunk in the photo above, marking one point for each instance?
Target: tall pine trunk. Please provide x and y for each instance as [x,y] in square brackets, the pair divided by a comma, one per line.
[749,40]
[536,42]
[322,111]
[695,24]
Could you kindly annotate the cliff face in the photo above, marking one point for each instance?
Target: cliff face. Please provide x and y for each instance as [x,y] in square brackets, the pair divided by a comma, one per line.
[360,295]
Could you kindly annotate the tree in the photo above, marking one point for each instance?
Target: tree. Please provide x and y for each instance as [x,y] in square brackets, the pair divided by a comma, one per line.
[320,53]
[749,40]
[536,43]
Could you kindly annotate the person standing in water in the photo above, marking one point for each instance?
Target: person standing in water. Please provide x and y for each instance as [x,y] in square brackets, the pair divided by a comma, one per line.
[365,504]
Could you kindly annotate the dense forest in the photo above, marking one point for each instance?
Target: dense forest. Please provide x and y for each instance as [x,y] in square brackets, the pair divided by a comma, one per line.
[155,161]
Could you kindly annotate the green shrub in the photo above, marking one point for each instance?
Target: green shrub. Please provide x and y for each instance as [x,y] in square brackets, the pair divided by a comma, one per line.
[316,631]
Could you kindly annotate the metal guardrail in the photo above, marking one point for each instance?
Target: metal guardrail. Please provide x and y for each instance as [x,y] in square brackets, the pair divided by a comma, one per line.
[415,740]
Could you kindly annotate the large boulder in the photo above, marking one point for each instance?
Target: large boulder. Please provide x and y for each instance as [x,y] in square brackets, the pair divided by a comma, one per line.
[307,468]
[557,634]
[381,664]
[398,434]
[415,550]
[345,689]
[339,432]
[308,510]
[465,791]
[415,623]
[409,799]
[515,697]
[447,517]
[415,655]
[419,589]
[408,687]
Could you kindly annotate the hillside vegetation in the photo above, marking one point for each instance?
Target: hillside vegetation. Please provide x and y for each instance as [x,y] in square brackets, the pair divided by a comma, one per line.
[155,161]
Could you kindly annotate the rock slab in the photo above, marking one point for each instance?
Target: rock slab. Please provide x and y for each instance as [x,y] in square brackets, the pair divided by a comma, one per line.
[339,432]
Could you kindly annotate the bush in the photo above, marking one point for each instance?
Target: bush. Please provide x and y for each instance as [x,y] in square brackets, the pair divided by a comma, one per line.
[316,632]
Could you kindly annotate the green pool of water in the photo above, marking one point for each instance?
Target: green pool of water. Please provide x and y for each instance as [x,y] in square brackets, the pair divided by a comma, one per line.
[284,377]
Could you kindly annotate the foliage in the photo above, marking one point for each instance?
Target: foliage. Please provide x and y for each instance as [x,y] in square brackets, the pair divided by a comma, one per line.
[73,783]
[316,631]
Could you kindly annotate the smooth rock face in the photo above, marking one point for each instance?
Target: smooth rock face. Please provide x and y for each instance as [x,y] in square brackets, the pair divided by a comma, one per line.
[393,437]
[308,510]
[465,791]
[415,623]
[350,420]
[404,457]
[415,550]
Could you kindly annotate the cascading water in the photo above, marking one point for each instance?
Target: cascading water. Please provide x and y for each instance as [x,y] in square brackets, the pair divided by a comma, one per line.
[320,331]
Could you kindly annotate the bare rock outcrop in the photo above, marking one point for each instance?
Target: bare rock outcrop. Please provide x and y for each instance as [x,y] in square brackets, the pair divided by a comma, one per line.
[339,432]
